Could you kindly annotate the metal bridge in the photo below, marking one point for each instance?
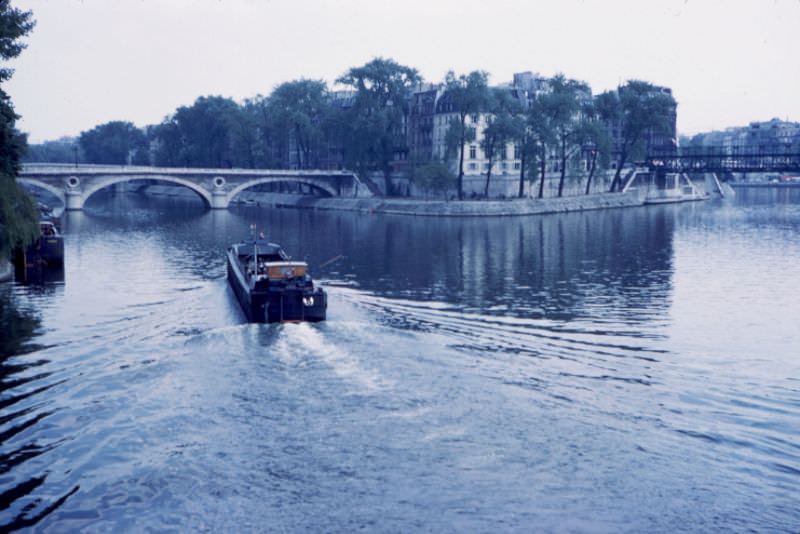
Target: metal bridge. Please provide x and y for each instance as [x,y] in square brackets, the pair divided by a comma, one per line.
[73,185]
[720,160]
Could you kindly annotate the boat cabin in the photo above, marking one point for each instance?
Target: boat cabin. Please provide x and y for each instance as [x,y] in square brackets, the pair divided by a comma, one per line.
[47,229]
[262,260]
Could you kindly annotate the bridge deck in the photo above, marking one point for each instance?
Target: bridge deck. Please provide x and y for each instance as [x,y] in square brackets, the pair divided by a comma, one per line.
[720,160]
[66,169]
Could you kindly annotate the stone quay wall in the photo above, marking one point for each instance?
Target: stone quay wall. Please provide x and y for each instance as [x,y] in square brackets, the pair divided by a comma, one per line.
[454,208]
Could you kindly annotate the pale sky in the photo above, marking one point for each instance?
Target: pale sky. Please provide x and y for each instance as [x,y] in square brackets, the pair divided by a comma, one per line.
[728,62]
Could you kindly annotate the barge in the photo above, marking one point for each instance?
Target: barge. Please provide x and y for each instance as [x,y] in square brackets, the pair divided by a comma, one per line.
[272,288]
[47,250]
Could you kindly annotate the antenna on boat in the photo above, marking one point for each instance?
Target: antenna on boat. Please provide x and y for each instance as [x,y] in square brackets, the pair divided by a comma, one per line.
[255,249]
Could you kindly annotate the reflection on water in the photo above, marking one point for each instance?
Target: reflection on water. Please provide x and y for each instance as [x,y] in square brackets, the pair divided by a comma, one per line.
[617,370]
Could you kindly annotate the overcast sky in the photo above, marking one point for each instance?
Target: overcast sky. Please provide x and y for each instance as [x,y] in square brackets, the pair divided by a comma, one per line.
[728,62]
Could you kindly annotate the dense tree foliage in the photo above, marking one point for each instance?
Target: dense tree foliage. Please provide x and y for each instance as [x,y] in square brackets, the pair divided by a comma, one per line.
[300,109]
[115,143]
[18,217]
[434,176]
[595,140]
[542,135]
[200,135]
[555,126]
[561,107]
[504,125]
[374,123]
[64,150]
[638,109]
[467,95]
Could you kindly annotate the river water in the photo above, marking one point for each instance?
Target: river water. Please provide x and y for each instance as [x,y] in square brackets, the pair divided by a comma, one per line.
[623,370]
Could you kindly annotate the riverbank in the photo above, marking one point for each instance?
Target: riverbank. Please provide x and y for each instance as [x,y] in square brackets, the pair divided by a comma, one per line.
[510,207]
[464,208]
[762,185]
[428,208]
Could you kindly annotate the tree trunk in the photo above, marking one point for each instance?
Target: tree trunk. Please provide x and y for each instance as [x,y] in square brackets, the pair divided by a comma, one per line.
[592,168]
[461,160]
[543,171]
[298,150]
[563,167]
[521,174]
[620,163]
[488,178]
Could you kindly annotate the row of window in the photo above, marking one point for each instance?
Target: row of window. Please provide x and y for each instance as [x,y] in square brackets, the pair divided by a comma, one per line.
[473,152]
[503,166]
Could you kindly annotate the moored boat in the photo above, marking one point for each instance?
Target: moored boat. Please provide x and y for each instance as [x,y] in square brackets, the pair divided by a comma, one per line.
[47,250]
[270,287]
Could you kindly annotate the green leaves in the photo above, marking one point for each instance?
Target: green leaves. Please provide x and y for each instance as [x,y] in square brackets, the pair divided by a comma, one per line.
[464,95]
[434,176]
[114,143]
[638,111]
[374,123]
[300,108]
[14,24]
[18,216]
[200,135]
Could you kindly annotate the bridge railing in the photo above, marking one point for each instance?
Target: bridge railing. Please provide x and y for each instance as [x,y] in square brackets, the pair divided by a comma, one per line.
[769,158]
[92,168]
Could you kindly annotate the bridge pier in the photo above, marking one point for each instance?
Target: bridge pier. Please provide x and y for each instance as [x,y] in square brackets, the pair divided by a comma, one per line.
[73,200]
[219,200]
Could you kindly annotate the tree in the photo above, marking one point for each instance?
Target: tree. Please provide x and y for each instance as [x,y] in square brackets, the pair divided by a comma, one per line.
[467,96]
[638,109]
[504,125]
[528,155]
[376,118]
[561,106]
[297,110]
[200,135]
[115,143]
[166,144]
[434,176]
[595,140]
[64,150]
[541,135]
[243,138]
[270,148]
[18,216]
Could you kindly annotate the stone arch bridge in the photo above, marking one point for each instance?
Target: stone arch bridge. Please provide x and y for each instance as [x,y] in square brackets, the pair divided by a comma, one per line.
[73,185]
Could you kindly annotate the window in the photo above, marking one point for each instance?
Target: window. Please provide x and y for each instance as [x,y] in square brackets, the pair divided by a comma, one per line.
[516,152]
[517,165]
[504,152]
[485,166]
[472,166]
[472,152]
[475,118]
[504,165]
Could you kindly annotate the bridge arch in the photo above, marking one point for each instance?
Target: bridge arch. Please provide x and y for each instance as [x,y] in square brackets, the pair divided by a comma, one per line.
[58,192]
[111,180]
[329,190]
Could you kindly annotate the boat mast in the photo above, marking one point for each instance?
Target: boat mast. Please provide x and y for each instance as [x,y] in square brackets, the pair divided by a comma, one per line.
[255,252]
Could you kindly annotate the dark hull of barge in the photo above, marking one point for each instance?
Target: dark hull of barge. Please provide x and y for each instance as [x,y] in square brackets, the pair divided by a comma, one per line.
[275,301]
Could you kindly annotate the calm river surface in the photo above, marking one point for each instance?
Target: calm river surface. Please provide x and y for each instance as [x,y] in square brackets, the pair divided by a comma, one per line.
[625,370]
